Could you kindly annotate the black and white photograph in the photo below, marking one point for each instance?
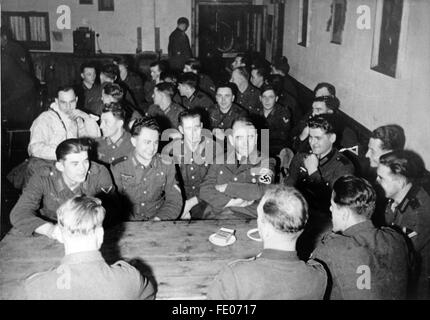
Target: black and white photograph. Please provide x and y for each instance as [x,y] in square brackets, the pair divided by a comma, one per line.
[227,151]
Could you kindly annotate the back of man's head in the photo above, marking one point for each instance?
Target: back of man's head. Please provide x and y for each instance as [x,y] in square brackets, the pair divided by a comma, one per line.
[404,163]
[80,216]
[285,209]
[356,194]
[392,137]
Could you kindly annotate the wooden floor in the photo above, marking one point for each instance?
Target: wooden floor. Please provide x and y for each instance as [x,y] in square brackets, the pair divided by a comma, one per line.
[177,255]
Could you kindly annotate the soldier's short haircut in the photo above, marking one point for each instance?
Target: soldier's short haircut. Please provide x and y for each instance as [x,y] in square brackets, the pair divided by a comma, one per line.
[325,122]
[145,122]
[116,109]
[245,120]
[330,88]
[194,64]
[183,20]
[355,193]
[332,103]
[262,71]
[244,58]
[281,63]
[162,65]
[392,137]
[114,90]
[89,65]
[189,113]
[70,146]
[285,209]
[110,70]
[173,75]
[189,79]
[166,87]
[243,71]
[404,163]
[81,215]
[230,85]
[267,87]
[64,89]
[122,61]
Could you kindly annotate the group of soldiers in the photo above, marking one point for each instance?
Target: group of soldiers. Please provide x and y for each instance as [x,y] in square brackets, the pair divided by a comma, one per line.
[180,147]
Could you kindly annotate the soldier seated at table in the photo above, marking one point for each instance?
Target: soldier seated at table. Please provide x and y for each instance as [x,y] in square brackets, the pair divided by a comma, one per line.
[206,84]
[164,109]
[248,96]
[277,120]
[194,158]
[225,112]
[146,183]
[399,174]
[83,273]
[364,262]
[192,97]
[276,273]
[116,140]
[113,93]
[233,185]
[73,174]
[314,173]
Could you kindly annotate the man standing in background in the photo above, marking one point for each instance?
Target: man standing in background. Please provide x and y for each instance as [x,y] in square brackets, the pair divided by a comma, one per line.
[179,45]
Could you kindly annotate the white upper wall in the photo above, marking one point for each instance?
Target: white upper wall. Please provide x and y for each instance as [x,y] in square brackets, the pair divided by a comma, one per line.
[117,29]
[371,98]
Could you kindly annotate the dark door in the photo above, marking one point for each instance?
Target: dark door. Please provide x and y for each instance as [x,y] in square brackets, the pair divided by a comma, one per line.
[226,30]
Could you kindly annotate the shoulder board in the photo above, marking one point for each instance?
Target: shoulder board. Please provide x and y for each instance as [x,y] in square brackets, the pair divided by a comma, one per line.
[242,260]
[119,160]
[47,171]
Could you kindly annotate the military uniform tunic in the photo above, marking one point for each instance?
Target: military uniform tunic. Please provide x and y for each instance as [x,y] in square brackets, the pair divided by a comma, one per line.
[198,99]
[47,191]
[207,85]
[365,263]
[245,180]
[108,151]
[317,187]
[279,124]
[91,278]
[225,121]
[412,216]
[168,118]
[148,192]
[272,275]
[249,99]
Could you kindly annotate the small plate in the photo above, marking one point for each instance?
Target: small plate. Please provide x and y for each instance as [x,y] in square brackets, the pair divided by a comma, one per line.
[218,242]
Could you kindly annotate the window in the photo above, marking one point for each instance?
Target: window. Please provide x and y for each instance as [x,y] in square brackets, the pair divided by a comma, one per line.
[29,28]
[106,5]
[304,27]
[389,37]
[85,1]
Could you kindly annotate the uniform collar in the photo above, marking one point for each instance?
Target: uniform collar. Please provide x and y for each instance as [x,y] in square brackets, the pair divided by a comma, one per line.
[273,254]
[402,195]
[119,141]
[61,185]
[328,157]
[137,164]
[82,257]
[358,228]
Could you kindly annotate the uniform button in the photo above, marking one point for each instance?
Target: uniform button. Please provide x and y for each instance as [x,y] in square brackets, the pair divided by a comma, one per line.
[144,179]
[142,204]
[113,147]
[162,173]
[235,179]
[222,123]
[193,187]
[220,172]
[113,158]
[192,177]
[192,159]
[144,192]
[191,168]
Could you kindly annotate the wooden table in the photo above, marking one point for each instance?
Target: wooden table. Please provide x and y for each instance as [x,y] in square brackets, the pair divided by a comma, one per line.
[178,254]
